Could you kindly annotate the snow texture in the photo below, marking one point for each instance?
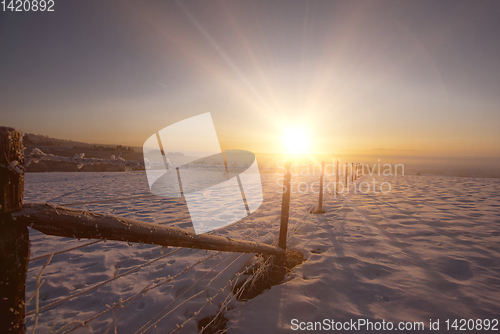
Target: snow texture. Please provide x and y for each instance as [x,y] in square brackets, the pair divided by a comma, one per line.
[430,248]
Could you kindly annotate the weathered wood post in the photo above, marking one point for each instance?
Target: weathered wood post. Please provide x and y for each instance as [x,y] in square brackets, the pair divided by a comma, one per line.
[180,182]
[352,171]
[14,238]
[319,209]
[345,172]
[337,179]
[285,207]
[225,164]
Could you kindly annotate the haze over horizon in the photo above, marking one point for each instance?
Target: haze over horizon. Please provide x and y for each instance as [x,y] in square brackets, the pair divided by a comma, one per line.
[417,76]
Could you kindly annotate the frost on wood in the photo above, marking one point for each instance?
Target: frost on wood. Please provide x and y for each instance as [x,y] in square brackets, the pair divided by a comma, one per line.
[11,161]
[15,167]
[73,223]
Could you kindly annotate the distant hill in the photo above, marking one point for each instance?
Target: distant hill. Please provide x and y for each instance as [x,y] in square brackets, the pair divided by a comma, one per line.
[32,139]
[69,148]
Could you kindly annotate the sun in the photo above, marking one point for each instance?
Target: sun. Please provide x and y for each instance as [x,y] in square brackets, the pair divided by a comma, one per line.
[296,140]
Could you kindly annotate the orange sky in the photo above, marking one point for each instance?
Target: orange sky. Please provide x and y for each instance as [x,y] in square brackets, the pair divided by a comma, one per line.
[421,76]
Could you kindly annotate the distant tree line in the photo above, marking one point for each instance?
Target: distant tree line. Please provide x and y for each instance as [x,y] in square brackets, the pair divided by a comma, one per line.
[40,140]
[112,148]
[180,154]
[31,139]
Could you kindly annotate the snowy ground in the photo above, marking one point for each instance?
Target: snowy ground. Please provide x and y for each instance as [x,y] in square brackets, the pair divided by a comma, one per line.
[428,249]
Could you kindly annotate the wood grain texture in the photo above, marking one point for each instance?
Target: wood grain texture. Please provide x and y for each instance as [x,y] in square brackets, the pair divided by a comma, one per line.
[14,238]
[68,222]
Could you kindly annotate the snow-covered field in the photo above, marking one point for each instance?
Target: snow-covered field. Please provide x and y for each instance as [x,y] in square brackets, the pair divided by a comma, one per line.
[428,249]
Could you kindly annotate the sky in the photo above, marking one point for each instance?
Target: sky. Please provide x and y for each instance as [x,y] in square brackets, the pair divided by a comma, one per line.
[346,76]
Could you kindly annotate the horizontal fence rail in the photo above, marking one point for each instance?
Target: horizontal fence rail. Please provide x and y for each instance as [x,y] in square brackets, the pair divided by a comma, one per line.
[57,220]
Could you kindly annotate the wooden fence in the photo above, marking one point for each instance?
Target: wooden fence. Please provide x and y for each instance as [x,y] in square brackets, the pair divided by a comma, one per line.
[50,219]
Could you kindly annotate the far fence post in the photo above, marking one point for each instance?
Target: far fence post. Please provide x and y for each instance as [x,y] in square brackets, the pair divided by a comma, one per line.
[180,182]
[319,209]
[352,171]
[337,180]
[345,172]
[285,207]
[14,238]
[226,168]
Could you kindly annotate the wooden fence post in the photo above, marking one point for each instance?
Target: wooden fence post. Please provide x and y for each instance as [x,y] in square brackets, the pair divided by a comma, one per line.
[337,179]
[345,172]
[225,164]
[319,209]
[180,182]
[352,171]
[14,238]
[285,207]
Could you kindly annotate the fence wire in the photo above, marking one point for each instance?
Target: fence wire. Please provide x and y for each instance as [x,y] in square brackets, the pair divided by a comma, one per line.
[118,308]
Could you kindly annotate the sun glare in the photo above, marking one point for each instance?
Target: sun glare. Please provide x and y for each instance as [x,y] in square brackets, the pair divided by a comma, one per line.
[296,141]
